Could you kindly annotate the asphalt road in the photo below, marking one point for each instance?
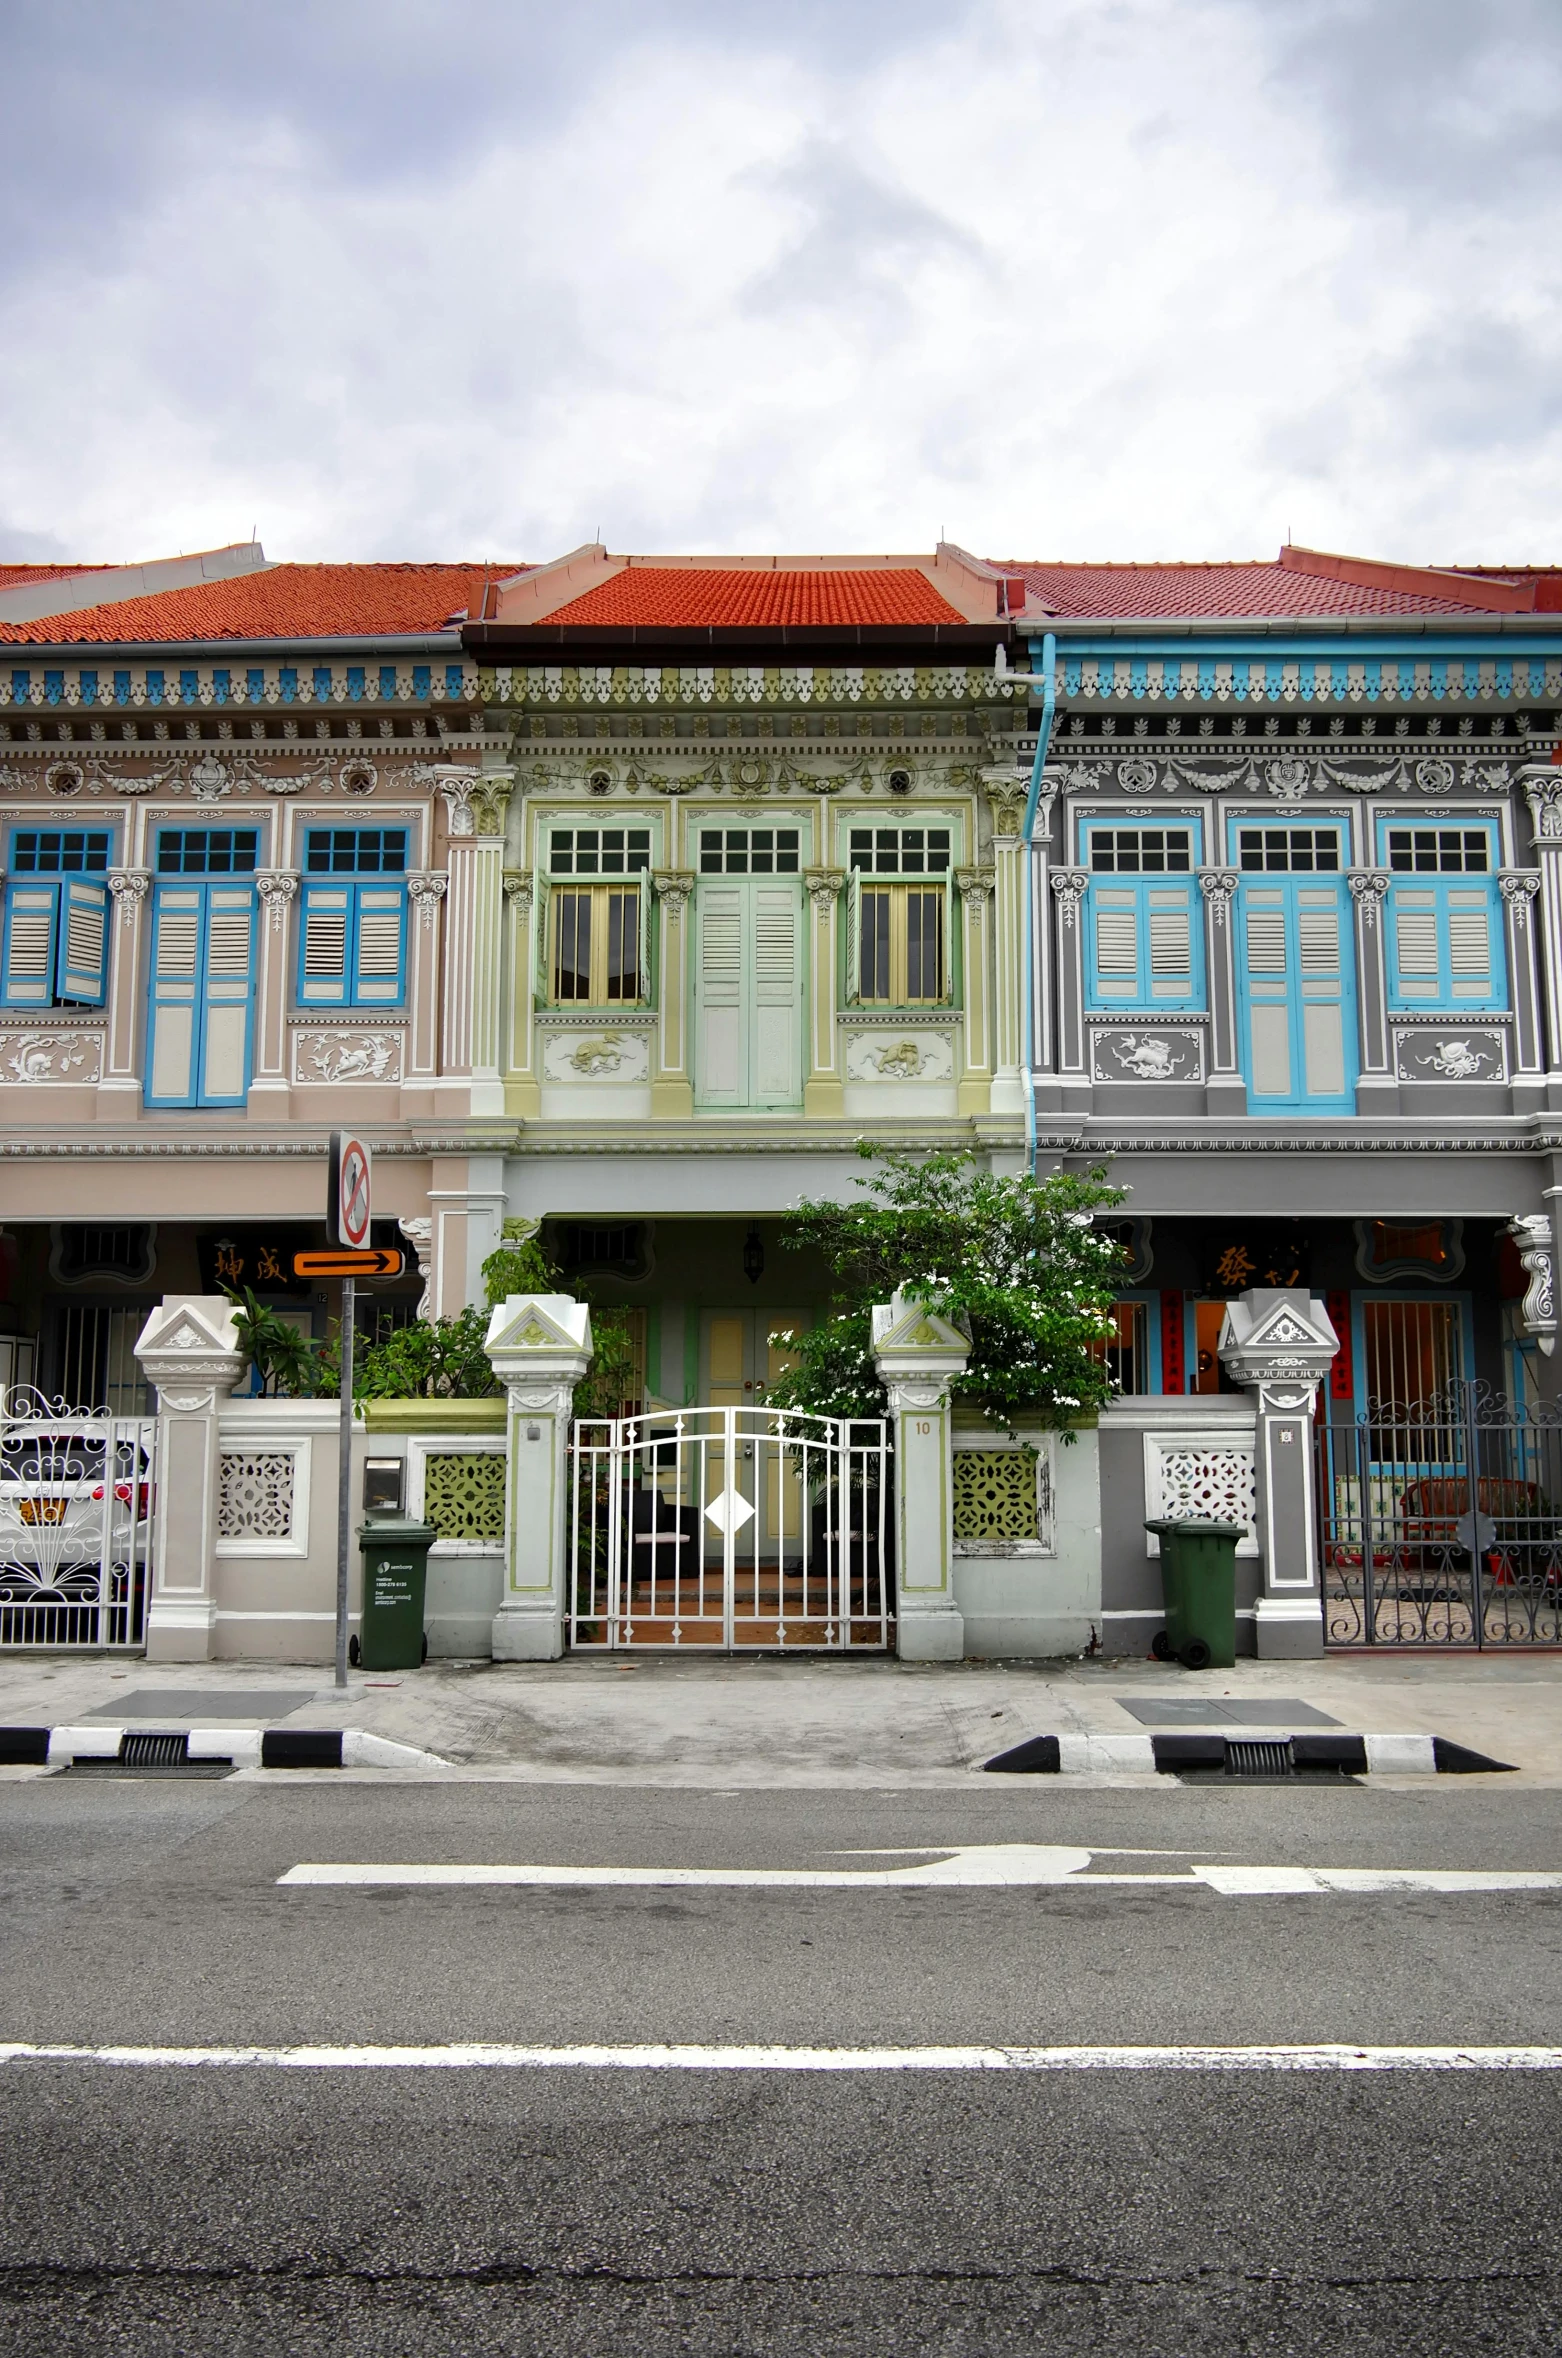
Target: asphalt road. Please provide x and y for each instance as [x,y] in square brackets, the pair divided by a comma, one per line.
[396,2212]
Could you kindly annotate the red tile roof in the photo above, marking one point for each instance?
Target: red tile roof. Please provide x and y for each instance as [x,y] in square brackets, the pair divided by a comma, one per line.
[670,597]
[284,602]
[1193,592]
[23,576]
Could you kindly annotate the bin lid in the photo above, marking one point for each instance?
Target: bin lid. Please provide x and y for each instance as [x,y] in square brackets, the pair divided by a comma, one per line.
[1186,1528]
[396,1531]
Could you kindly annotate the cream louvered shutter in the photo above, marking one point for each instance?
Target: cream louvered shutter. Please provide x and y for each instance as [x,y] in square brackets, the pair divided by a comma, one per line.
[84,937]
[776,1061]
[720,1027]
[323,951]
[30,914]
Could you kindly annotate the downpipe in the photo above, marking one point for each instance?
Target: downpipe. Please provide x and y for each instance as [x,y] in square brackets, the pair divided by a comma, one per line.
[1049,699]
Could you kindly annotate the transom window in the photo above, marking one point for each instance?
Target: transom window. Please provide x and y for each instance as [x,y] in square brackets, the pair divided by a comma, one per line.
[1439,851]
[207,851]
[56,851]
[1141,851]
[599,851]
[1295,851]
[899,851]
[355,851]
[748,851]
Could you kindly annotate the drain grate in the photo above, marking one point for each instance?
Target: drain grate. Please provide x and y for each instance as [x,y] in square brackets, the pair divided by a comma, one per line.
[1259,1756]
[138,1749]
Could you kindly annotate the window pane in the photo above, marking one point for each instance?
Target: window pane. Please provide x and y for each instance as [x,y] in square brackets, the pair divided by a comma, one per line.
[874,971]
[54,851]
[207,851]
[924,945]
[355,851]
[572,957]
[623,945]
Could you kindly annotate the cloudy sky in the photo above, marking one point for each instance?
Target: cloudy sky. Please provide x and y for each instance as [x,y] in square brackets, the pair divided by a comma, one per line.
[1063,278]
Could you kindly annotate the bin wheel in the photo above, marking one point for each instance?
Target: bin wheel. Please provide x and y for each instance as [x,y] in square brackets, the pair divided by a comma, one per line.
[354,1652]
[1195,1655]
[1161,1645]
[424,1655]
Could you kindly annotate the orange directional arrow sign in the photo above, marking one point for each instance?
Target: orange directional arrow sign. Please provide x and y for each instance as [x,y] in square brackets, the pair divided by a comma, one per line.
[377,1262]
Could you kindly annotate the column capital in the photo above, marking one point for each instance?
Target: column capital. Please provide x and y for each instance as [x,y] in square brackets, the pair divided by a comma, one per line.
[1007,791]
[278,888]
[1531,1232]
[1219,887]
[1518,886]
[674,888]
[975,887]
[129,887]
[1543,793]
[189,1348]
[518,886]
[824,887]
[426,888]
[1069,886]
[1368,888]
[477,800]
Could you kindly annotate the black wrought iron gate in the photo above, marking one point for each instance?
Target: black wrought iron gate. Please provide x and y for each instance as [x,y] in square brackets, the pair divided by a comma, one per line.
[1441,1523]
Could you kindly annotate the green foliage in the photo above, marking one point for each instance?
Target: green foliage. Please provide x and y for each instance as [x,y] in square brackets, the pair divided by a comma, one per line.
[292,1365]
[610,1379]
[520,1266]
[1015,1262]
[431,1359]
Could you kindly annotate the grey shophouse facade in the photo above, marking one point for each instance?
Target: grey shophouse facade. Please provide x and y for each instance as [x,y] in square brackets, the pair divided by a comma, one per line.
[1297,980]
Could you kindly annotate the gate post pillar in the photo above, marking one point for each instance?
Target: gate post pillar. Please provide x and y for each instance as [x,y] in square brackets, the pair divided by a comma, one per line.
[188,1348]
[539,1346]
[917,1354]
[1278,1343]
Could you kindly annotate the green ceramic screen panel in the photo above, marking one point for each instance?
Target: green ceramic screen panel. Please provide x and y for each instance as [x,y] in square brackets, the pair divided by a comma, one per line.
[463,1495]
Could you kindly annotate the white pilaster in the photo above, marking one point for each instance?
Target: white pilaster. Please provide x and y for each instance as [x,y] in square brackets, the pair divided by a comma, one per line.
[188,1348]
[539,1346]
[918,1355]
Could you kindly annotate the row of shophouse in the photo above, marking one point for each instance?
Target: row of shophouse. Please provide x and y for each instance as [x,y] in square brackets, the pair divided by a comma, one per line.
[628,894]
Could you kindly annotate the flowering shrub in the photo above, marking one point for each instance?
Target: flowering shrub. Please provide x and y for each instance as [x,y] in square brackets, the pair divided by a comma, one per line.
[1017,1263]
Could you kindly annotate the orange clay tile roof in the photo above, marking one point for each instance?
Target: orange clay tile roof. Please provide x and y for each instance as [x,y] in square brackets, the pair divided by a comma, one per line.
[23,576]
[670,597]
[284,602]
[1192,592]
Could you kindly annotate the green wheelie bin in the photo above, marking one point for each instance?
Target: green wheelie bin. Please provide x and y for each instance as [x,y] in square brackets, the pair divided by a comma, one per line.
[395,1574]
[1199,1577]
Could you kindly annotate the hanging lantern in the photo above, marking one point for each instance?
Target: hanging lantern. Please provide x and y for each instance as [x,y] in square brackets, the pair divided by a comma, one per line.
[753,1256]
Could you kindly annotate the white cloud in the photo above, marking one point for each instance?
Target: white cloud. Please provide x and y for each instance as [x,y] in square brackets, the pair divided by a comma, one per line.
[1102,278]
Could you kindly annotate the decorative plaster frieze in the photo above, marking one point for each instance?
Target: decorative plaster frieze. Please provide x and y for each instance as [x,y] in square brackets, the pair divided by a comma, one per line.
[896,1055]
[1473,1054]
[345,1053]
[129,887]
[39,1055]
[1160,1053]
[278,889]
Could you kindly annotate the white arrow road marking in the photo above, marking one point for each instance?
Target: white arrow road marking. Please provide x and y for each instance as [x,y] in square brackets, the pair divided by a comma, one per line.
[775,2058]
[979,1866]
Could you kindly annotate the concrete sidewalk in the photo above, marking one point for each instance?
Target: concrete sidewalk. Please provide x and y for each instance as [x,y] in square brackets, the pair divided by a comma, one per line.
[864,1720]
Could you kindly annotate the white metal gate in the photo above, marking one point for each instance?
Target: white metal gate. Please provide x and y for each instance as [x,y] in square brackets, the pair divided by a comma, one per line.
[77,1500]
[733,1528]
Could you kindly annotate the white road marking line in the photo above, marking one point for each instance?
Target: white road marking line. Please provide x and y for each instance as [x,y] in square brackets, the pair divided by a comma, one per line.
[977,1867]
[798,2059]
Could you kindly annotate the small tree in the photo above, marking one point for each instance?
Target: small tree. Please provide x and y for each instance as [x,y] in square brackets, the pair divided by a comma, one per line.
[521,1266]
[1018,1263]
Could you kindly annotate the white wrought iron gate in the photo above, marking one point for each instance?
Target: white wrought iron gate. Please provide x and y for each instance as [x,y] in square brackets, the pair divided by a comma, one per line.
[731,1528]
[78,1493]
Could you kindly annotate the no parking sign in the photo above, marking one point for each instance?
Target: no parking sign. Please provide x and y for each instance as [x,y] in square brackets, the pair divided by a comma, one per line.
[347,1206]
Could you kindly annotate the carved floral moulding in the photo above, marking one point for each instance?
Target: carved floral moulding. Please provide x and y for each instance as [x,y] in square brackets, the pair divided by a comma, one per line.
[1147,1052]
[1422,678]
[892,1053]
[1291,776]
[609,1052]
[210,774]
[328,1054]
[752,773]
[55,1052]
[588,685]
[1451,1051]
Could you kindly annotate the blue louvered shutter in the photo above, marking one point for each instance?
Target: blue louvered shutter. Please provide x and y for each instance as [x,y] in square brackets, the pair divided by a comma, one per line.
[31,920]
[379,944]
[1445,944]
[178,911]
[325,943]
[1116,977]
[82,958]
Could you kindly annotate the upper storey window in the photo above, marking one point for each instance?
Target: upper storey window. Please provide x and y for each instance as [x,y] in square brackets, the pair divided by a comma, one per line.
[1141,851]
[353,934]
[898,931]
[1443,933]
[1288,851]
[207,851]
[55,948]
[749,851]
[599,851]
[1143,945]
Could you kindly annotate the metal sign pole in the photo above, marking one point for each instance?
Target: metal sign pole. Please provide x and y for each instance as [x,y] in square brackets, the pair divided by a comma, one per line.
[344,1491]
